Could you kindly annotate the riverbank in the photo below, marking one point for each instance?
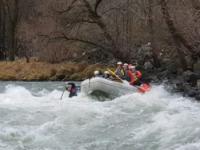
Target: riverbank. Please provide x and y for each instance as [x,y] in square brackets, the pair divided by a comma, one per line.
[20,70]
[187,83]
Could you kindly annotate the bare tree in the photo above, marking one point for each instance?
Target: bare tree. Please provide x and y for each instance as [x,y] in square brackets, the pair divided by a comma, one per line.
[178,38]
[89,16]
[151,32]
[115,27]
[11,11]
[2,30]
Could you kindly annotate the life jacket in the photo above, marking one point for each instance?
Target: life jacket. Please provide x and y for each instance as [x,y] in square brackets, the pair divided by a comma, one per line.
[126,76]
[72,92]
[138,74]
[144,88]
[120,72]
[134,77]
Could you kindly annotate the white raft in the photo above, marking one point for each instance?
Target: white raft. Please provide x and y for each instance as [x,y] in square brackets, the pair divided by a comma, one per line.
[104,87]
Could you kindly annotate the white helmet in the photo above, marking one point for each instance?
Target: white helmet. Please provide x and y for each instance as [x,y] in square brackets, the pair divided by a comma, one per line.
[106,72]
[125,64]
[96,72]
[131,67]
[119,63]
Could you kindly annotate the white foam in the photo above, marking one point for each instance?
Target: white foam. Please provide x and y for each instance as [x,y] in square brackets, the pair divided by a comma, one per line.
[157,120]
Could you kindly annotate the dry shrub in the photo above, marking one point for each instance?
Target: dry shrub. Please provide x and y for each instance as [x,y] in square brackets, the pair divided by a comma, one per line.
[53,72]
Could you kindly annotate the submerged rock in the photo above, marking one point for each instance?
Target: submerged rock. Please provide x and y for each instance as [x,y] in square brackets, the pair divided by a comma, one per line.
[192,93]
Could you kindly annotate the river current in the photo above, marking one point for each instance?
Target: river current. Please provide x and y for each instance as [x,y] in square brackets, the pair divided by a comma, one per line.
[32,117]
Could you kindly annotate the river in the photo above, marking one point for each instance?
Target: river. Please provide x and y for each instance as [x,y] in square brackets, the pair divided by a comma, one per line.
[32,117]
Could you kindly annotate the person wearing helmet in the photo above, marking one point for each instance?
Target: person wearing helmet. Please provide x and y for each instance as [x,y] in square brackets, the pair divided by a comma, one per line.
[120,70]
[72,90]
[125,66]
[126,77]
[106,75]
[134,75]
[98,73]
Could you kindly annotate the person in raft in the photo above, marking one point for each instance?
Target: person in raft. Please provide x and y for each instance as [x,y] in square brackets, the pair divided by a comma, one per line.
[106,75]
[98,73]
[120,70]
[72,90]
[136,79]
[126,69]
[134,75]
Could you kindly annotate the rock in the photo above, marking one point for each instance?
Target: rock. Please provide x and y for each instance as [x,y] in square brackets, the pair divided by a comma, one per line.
[148,66]
[189,61]
[162,75]
[198,84]
[179,86]
[197,97]
[190,77]
[192,93]
[172,68]
[144,53]
[187,89]
[196,67]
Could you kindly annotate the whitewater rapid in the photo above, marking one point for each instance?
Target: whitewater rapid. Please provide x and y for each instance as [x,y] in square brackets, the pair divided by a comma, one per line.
[34,118]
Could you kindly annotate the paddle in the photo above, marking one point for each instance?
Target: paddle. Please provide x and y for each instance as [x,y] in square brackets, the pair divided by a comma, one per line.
[142,88]
[115,75]
[62,95]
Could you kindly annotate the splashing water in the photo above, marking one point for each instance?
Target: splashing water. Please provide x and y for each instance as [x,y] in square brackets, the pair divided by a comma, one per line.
[34,118]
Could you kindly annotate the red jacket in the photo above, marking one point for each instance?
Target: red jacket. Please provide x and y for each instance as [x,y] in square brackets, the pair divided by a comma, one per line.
[134,76]
[138,74]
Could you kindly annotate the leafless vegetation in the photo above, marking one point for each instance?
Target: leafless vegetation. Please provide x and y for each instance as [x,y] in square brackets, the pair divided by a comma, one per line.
[72,29]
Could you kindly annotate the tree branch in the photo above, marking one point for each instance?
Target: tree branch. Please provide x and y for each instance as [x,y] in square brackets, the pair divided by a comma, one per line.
[89,8]
[71,6]
[83,41]
[98,2]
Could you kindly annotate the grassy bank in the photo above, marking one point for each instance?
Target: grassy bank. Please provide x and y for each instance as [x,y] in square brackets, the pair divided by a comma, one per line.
[41,71]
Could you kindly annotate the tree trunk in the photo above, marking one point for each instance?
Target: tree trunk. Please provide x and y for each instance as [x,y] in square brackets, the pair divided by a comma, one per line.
[2,31]
[196,4]
[151,33]
[13,42]
[100,23]
[178,38]
[11,11]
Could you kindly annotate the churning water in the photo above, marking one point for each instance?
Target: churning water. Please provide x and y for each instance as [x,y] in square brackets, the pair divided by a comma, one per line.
[32,117]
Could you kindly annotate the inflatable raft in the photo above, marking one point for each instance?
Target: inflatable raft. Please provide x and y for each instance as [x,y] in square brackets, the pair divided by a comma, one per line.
[106,88]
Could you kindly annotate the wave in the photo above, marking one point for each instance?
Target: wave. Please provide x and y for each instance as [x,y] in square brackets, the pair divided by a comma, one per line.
[157,120]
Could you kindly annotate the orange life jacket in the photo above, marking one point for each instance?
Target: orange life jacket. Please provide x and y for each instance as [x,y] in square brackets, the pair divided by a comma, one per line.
[144,88]
[138,74]
[134,76]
